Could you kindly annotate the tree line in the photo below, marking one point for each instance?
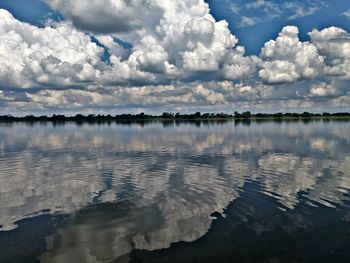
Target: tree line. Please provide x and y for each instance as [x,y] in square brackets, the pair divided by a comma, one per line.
[171,116]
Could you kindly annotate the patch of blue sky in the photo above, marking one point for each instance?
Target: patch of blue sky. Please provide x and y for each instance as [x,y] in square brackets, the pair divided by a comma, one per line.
[256,21]
[35,12]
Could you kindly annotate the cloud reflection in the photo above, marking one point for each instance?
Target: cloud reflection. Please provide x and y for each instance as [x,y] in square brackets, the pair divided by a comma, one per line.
[130,188]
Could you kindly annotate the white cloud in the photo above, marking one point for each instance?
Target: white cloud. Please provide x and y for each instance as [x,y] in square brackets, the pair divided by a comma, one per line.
[334,44]
[287,59]
[175,39]
[235,8]
[322,89]
[145,96]
[238,66]
[101,16]
[300,10]
[220,94]
[269,8]
[113,47]
[248,21]
[179,55]
[266,6]
[32,56]
[347,14]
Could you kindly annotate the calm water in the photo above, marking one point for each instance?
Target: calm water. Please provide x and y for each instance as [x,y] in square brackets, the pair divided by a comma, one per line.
[175,193]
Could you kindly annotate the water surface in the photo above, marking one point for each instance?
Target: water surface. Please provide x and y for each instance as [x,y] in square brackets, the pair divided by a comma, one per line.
[171,192]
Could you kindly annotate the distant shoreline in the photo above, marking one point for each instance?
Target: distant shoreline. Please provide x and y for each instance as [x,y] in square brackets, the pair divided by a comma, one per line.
[167,116]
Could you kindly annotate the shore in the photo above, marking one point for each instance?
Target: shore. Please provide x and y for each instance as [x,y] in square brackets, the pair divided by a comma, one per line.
[169,117]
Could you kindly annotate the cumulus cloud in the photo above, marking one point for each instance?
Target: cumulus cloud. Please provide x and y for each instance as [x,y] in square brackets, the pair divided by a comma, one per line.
[334,44]
[182,40]
[145,96]
[98,16]
[32,56]
[242,92]
[287,59]
[220,94]
[102,55]
[177,39]
[113,47]
[322,89]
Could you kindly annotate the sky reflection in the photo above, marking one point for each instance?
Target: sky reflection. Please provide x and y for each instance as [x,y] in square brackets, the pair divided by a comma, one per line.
[146,188]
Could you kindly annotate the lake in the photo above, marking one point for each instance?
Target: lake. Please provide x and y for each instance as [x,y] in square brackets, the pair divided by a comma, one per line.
[175,192]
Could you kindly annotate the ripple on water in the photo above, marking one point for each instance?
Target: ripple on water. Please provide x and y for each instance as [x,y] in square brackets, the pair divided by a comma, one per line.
[128,188]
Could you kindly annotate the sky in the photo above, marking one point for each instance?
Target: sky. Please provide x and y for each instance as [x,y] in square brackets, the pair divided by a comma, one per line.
[118,56]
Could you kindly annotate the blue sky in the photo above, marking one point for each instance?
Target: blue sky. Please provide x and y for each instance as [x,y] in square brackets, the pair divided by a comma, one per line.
[149,56]
[325,14]
[31,11]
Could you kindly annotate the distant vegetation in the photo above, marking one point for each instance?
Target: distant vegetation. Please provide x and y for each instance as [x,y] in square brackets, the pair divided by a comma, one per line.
[173,116]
